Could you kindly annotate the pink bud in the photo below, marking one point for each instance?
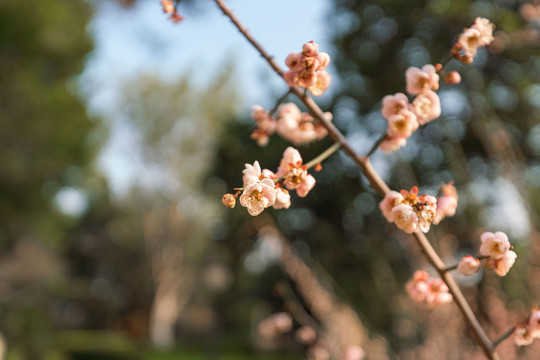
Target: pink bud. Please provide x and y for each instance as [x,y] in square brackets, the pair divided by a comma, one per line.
[229,200]
[310,49]
[294,61]
[452,78]
[468,265]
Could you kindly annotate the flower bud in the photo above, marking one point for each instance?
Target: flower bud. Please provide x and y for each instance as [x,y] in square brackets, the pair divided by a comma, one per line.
[229,200]
[468,265]
[452,78]
[310,49]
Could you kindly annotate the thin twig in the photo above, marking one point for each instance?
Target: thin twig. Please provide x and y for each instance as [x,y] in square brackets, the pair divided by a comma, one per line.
[504,337]
[377,143]
[380,186]
[324,155]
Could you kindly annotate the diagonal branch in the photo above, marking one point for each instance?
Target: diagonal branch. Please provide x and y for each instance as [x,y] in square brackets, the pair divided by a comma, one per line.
[379,185]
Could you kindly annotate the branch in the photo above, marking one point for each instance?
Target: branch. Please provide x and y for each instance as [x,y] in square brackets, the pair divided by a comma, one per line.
[379,185]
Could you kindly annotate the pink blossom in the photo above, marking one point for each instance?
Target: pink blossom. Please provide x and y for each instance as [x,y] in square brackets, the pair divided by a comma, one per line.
[252,173]
[306,335]
[534,322]
[470,39]
[297,127]
[427,107]
[322,82]
[258,196]
[405,218]
[283,199]
[307,69]
[452,78]
[278,323]
[485,28]
[354,352]
[229,200]
[523,336]
[391,199]
[417,287]
[324,60]
[426,212]
[468,265]
[421,80]
[402,124]
[390,144]
[502,265]
[265,125]
[294,61]
[310,48]
[393,104]
[306,186]
[446,207]
[438,293]
[294,173]
[494,245]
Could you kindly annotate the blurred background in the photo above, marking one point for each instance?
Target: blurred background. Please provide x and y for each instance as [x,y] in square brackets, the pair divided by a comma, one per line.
[120,132]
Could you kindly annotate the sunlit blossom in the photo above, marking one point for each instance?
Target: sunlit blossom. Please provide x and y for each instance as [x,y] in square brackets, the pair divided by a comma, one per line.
[494,244]
[293,172]
[421,80]
[469,265]
[502,265]
[307,69]
[258,196]
[427,107]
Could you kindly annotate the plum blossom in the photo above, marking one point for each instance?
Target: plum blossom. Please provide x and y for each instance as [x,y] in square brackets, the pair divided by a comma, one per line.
[307,69]
[387,204]
[390,144]
[402,121]
[523,336]
[494,245]
[393,104]
[402,124]
[298,127]
[427,291]
[446,203]
[405,218]
[480,34]
[266,125]
[294,174]
[354,352]
[525,333]
[421,80]
[283,199]
[275,324]
[427,107]
[502,265]
[469,265]
[257,196]
[306,335]
[409,211]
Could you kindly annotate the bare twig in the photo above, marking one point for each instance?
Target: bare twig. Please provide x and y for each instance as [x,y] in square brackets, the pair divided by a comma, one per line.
[379,185]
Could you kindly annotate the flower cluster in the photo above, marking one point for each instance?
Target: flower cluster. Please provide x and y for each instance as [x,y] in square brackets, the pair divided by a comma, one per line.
[524,334]
[480,34]
[290,123]
[263,188]
[426,290]
[307,69]
[170,8]
[403,117]
[496,249]
[409,211]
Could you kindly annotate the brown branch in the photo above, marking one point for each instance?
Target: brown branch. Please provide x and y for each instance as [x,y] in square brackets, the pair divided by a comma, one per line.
[380,186]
